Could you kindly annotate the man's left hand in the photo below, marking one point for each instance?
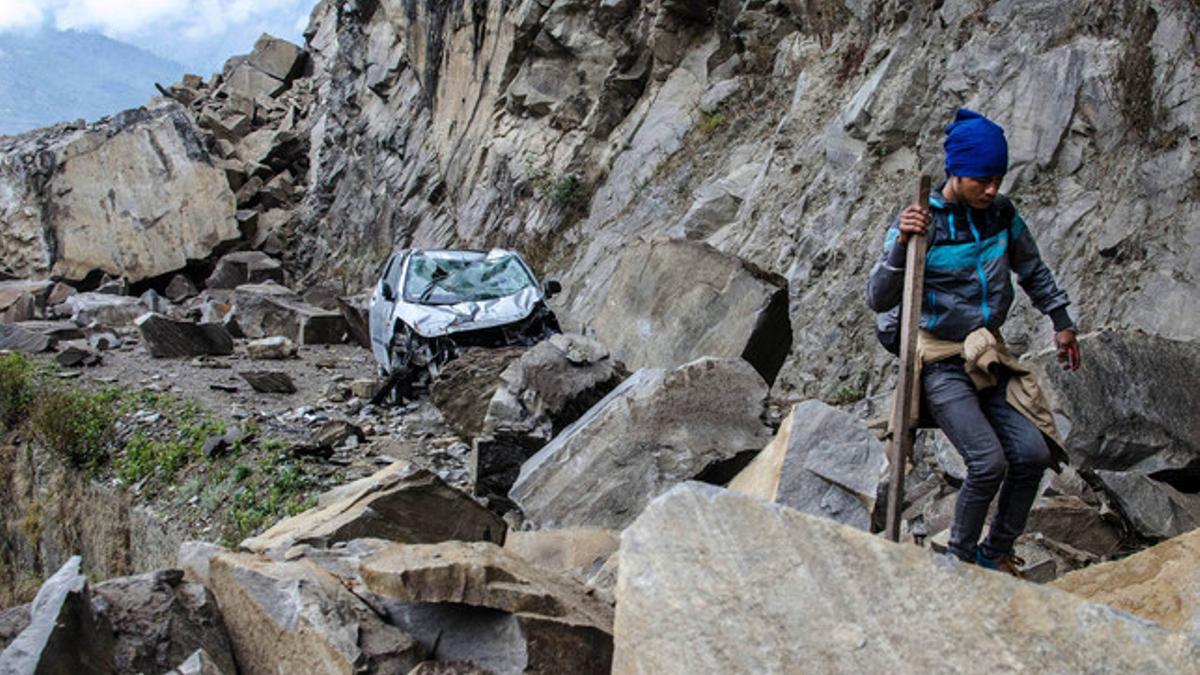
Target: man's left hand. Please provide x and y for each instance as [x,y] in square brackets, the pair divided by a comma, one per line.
[1068,349]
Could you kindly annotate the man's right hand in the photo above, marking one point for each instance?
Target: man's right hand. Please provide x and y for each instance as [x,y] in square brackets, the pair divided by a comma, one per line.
[914,220]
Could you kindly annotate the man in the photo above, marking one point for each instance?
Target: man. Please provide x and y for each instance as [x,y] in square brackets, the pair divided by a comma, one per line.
[976,242]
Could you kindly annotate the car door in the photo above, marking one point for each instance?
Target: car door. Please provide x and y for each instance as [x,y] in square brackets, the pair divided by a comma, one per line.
[382,307]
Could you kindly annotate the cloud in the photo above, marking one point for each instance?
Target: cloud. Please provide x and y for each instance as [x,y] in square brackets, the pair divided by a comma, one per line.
[19,14]
[193,20]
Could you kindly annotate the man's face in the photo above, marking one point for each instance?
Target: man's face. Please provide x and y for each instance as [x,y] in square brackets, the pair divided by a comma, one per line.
[978,193]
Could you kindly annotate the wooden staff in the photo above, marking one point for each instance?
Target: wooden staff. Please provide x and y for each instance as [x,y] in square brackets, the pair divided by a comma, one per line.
[904,406]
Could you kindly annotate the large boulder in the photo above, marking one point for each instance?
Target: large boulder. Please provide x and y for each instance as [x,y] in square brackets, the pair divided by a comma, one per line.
[400,503]
[536,621]
[673,301]
[293,617]
[464,387]
[1160,584]
[135,195]
[159,620]
[537,397]
[782,588]
[167,338]
[64,634]
[657,428]
[1133,405]
[268,309]
[824,462]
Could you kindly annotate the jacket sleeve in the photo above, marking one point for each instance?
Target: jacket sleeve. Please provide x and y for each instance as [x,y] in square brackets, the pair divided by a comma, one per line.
[1033,275]
[886,283]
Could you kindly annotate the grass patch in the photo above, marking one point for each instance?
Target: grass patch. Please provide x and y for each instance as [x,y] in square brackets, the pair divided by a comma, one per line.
[76,425]
[280,487]
[16,389]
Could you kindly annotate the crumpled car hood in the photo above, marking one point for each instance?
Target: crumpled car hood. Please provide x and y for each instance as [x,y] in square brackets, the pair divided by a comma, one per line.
[437,320]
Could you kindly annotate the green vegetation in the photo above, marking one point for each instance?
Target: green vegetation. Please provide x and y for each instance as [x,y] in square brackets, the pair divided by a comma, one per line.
[565,191]
[710,122]
[278,488]
[154,441]
[851,392]
[16,389]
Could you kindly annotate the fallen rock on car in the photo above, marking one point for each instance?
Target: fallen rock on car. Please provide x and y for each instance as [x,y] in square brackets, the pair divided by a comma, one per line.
[656,429]
[674,301]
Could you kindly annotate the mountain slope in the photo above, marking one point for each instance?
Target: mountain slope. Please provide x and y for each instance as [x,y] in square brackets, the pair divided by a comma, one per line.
[54,76]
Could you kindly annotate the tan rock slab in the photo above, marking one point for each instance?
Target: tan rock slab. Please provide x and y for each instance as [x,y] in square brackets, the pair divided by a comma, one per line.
[400,503]
[1161,584]
[480,574]
[579,552]
[713,581]
[293,617]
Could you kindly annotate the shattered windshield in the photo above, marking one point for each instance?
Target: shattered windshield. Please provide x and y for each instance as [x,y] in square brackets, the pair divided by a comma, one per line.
[444,280]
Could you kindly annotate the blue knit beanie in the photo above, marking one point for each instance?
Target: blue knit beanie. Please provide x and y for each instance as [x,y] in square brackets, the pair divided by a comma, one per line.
[975,146]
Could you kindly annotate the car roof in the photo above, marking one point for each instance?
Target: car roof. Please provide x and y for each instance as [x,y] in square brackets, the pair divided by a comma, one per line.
[460,253]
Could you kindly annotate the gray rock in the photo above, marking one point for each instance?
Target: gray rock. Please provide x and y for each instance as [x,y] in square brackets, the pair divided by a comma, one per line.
[246,81]
[1131,406]
[74,356]
[159,619]
[464,387]
[278,58]
[539,394]
[674,301]
[24,299]
[55,330]
[244,267]
[167,338]
[354,310]
[199,663]
[109,310]
[785,588]
[12,621]
[269,381]
[19,339]
[271,348]
[64,634]
[654,430]
[181,288]
[824,462]
[1154,508]
[1072,521]
[265,310]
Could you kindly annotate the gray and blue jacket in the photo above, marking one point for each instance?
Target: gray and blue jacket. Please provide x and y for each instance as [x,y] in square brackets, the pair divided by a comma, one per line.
[972,254]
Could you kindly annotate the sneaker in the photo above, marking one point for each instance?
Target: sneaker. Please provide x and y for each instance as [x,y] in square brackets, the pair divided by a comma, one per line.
[1008,563]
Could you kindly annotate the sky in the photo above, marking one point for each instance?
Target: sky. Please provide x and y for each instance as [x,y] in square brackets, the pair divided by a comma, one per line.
[200,34]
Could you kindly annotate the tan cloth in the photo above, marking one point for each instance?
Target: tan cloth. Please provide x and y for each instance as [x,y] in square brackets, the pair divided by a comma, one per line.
[981,351]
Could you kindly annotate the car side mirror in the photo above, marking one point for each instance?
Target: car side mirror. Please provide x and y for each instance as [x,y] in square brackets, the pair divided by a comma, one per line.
[552,288]
[388,293]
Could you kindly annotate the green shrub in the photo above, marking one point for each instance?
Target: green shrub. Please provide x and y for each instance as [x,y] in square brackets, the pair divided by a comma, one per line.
[16,389]
[75,425]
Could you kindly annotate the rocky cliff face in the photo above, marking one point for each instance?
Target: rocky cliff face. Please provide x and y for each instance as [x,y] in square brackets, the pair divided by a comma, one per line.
[788,133]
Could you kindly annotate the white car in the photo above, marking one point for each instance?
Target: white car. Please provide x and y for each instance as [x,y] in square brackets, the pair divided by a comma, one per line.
[429,304]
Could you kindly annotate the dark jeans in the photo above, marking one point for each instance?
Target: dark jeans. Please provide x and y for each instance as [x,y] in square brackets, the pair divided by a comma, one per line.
[1003,452]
